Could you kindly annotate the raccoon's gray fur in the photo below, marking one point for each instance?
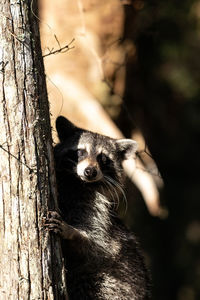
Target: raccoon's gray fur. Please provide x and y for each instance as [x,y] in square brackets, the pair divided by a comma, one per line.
[102,256]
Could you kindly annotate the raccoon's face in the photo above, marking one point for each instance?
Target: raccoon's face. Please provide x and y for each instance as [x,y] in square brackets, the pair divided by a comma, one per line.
[90,156]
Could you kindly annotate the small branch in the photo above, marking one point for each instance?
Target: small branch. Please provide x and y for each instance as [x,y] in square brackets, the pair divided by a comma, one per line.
[61,49]
[21,162]
[22,39]
[59,42]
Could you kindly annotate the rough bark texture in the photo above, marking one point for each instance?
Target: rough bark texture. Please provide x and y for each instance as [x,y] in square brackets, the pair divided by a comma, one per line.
[30,264]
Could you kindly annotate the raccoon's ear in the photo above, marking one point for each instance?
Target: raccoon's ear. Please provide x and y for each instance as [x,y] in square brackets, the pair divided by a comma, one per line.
[127,147]
[64,128]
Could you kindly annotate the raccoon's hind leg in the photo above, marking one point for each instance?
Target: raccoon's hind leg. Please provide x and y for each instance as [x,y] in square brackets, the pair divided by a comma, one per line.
[55,223]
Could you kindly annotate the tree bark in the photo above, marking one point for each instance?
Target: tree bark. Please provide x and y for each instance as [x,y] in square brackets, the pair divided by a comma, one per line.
[31,264]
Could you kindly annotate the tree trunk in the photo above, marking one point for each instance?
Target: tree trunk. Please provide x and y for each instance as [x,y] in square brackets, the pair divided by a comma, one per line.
[31,264]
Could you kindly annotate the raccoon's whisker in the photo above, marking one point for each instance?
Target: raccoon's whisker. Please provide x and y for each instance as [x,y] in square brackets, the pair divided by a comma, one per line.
[110,189]
[70,160]
[113,182]
[117,185]
[108,204]
[116,194]
[116,197]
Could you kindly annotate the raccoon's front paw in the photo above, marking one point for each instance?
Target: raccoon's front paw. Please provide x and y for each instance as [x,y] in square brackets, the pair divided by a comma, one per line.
[55,223]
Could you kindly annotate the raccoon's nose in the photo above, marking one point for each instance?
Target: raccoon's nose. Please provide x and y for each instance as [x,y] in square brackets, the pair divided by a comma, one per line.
[90,172]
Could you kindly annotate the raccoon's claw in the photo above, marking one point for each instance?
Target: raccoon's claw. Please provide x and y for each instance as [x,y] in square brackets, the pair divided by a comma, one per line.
[54,214]
[55,223]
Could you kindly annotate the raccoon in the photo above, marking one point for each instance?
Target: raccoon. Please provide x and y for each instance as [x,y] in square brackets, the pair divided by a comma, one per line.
[102,257]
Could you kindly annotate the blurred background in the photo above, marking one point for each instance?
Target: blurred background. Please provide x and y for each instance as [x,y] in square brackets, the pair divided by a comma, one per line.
[132,68]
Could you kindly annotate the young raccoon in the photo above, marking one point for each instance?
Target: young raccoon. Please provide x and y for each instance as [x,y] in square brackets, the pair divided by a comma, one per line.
[102,256]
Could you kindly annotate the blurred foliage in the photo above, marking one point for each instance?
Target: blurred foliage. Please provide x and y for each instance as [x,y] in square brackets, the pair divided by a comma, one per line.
[163,98]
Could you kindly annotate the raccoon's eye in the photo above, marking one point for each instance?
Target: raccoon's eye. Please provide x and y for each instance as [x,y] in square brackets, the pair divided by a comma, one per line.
[103,158]
[81,152]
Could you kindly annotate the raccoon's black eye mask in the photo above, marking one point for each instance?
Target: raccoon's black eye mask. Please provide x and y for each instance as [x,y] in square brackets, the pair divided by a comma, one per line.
[103,159]
[74,155]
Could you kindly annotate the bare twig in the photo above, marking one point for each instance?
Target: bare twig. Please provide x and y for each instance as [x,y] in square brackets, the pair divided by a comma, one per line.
[21,162]
[61,49]
[57,41]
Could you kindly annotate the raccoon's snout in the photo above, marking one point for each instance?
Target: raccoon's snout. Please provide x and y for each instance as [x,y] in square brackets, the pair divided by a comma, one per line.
[90,173]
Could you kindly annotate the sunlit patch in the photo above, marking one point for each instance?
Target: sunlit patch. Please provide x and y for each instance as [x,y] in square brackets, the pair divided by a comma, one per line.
[85,146]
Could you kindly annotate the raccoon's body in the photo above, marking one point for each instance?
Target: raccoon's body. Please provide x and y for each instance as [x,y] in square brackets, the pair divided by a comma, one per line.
[102,257]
